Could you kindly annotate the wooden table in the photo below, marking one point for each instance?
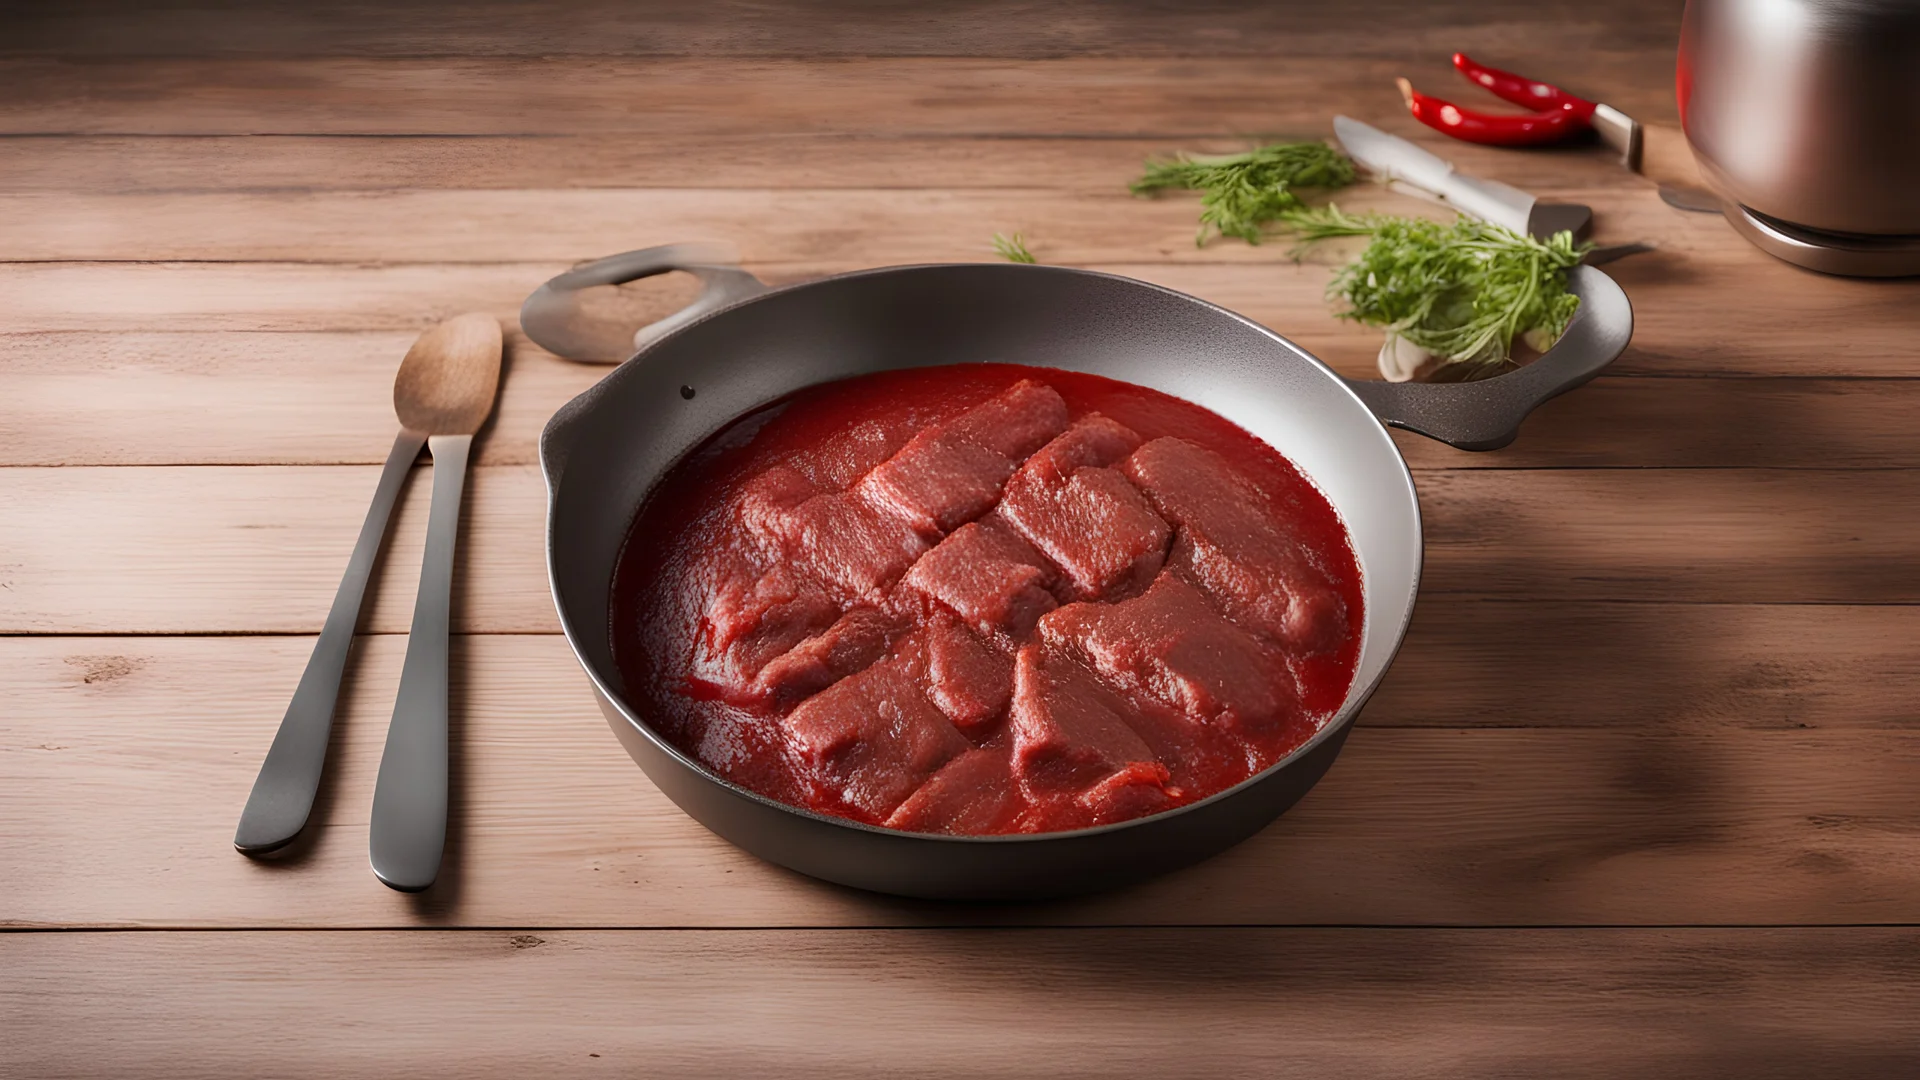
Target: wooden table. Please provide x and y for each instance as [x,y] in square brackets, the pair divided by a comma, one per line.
[1638,798]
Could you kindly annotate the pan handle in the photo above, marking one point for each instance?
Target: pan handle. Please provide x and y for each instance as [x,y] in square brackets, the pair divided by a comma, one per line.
[552,317]
[1486,415]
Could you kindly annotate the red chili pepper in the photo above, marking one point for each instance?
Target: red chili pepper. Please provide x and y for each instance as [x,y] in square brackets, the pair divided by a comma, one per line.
[1521,90]
[1530,129]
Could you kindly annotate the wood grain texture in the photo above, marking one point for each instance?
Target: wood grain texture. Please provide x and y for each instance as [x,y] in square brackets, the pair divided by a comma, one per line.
[770,226]
[264,163]
[310,398]
[1652,722]
[1765,780]
[257,549]
[1711,1004]
[1220,96]
[1757,318]
[837,28]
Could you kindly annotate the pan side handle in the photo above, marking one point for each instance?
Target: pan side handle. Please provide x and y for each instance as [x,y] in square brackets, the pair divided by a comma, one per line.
[1486,415]
[553,319]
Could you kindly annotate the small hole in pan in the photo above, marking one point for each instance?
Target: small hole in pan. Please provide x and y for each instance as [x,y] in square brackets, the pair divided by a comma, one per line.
[687,392]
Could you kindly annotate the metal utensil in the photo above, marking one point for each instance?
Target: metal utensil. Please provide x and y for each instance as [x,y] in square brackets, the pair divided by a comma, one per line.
[1415,171]
[445,388]
[282,796]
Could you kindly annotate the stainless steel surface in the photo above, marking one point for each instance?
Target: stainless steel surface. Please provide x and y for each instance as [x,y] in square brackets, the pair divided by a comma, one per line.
[1807,111]
[551,317]
[1692,199]
[1829,253]
[282,795]
[409,827]
[603,451]
[1414,170]
[1620,131]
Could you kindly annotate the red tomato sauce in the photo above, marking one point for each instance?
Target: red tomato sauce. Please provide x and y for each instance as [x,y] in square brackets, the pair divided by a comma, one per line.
[986,599]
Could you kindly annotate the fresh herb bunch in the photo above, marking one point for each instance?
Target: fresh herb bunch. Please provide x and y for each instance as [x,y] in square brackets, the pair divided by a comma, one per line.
[1242,192]
[1462,291]
[1013,248]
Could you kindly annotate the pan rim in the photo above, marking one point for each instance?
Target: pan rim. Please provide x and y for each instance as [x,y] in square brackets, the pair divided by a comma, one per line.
[1344,717]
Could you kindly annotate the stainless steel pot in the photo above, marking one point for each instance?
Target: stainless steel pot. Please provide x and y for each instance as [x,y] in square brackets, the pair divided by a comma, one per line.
[604,450]
[1805,114]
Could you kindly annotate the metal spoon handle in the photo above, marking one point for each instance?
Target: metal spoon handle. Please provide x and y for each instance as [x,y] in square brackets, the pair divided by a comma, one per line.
[410,796]
[283,792]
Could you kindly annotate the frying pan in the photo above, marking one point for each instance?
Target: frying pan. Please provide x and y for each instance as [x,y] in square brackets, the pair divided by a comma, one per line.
[742,344]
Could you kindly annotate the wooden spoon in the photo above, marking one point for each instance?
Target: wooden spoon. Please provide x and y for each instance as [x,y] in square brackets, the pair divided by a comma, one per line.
[448,369]
[445,389]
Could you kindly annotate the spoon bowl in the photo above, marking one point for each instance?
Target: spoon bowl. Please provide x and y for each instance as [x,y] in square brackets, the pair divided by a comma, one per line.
[446,383]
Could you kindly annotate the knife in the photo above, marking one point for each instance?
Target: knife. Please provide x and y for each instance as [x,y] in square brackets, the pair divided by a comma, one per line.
[1412,170]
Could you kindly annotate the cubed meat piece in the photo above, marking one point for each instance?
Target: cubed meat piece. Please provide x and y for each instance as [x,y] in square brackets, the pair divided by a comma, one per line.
[1135,790]
[1069,732]
[969,680]
[872,738]
[936,483]
[855,640]
[1169,644]
[1015,422]
[1232,547]
[1087,518]
[953,472]
[1282,599]
[988,576]
[970,795]
[1093,441]
[1095,527]
[844,542]
[748,621]
[767,502]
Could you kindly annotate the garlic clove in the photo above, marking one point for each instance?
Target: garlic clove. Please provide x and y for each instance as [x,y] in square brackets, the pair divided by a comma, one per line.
[1400,359]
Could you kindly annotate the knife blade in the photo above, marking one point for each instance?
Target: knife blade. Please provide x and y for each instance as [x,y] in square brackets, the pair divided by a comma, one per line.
[1398,160]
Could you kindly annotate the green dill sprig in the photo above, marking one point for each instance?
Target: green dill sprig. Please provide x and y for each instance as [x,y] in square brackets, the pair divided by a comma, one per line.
[1242,192]
[1461,291]
[1013,248]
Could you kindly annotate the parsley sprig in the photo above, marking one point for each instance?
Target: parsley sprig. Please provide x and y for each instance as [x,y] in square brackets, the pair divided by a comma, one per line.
[1461,291]
[1243,192]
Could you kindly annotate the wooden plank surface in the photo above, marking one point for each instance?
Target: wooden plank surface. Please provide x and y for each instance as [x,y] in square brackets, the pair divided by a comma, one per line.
[1766,783]
[1741,1005]
[257,549]
[1221,96]
[1635,800]
[1756,318]
[122,164]
[741,28]
[770,226]
[301,397]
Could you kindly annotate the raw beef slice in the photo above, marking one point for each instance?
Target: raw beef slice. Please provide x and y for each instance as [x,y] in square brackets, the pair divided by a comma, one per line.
[1170,645]
[1087,518]
[1229,546]
[970,795]
[1069,734]
[988,576]
[969,680]
[953,472]
[872,738]
[750,620]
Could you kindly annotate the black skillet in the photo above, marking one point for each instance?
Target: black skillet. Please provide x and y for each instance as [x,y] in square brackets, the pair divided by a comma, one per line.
[741,345]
